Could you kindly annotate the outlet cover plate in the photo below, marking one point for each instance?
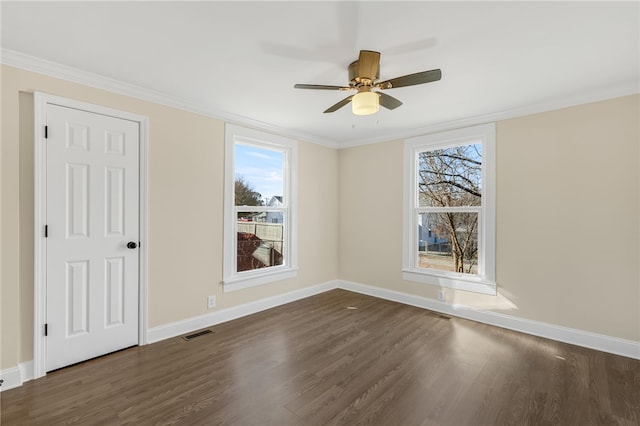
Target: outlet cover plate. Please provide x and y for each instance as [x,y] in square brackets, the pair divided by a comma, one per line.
[211,302]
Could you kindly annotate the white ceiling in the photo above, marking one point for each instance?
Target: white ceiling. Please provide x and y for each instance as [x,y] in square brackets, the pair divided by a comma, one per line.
[239,60]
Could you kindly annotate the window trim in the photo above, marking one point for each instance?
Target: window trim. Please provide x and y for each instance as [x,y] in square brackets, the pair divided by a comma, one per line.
[485,281]
[233,280]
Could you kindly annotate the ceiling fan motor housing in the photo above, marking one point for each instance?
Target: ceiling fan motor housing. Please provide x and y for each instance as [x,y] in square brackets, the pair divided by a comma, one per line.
[356,80]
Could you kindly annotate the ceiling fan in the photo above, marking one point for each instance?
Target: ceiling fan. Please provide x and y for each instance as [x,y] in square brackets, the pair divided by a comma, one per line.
[363,77]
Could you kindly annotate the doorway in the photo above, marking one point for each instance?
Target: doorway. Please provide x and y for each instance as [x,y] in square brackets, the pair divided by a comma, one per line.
[90,239]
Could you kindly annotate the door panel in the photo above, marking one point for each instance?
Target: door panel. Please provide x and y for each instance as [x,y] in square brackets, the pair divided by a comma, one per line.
[114,201]
[77,290]
[114,268]
[78,200]
[92,208]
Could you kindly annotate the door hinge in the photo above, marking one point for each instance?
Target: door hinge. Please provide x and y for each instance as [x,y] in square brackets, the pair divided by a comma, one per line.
[46,231]
[46,330]
[46,132]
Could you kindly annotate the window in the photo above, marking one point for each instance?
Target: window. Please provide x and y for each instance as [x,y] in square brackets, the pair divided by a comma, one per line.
[449,209]
[260,215]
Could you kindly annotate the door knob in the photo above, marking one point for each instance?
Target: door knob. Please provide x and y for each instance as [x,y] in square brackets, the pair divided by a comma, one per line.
[131,245]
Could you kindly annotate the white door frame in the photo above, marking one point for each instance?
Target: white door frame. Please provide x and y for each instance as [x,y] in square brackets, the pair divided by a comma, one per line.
[41,100]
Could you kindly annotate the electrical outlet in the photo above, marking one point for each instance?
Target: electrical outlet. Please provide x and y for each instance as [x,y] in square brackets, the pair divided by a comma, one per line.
[442,295]
[211,302]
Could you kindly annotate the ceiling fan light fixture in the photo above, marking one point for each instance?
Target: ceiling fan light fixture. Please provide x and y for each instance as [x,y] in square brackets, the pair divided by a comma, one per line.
[363,77]
[365,103]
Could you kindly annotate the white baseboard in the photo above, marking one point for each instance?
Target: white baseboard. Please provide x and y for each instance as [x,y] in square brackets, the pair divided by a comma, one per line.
[166,331]
[16,376]
[12,378]
[614,345]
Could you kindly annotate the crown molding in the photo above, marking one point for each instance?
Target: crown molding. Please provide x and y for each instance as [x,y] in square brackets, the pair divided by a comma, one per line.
[629,88]
[64,72]
[53,69]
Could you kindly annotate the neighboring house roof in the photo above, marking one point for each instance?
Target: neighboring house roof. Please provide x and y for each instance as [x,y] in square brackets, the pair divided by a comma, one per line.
[275,201]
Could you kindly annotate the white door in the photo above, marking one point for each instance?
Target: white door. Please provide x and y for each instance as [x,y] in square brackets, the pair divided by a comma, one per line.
[92,203]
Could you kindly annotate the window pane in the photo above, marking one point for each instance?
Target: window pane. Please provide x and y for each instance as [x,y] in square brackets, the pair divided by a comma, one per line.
[260,240]
[448,242]
[450,177]
[259,176]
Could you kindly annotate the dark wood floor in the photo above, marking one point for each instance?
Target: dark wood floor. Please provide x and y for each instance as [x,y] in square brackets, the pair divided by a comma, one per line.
[319,362]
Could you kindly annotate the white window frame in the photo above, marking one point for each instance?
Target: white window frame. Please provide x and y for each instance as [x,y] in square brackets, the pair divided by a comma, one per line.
[485,281]
[233,280]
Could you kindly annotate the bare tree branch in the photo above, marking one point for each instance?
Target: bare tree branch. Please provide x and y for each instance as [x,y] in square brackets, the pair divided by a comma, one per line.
[452,177]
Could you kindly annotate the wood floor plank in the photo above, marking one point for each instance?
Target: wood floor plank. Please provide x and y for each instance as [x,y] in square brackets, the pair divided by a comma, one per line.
[339,358]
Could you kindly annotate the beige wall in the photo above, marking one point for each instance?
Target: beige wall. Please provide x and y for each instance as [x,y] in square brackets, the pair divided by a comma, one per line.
[186,165]
[568,218]
[568,232]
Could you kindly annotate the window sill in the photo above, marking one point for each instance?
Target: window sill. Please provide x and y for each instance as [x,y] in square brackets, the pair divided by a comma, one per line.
[256,279]
[453,281]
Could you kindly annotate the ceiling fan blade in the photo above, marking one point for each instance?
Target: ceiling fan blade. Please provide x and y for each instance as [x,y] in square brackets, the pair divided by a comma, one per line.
[320,87]
[411,79]
[368,64]
[339,104]
[389,102]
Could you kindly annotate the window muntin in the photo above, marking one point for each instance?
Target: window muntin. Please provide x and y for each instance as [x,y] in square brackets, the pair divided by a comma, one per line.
[259,214]
[449,237]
